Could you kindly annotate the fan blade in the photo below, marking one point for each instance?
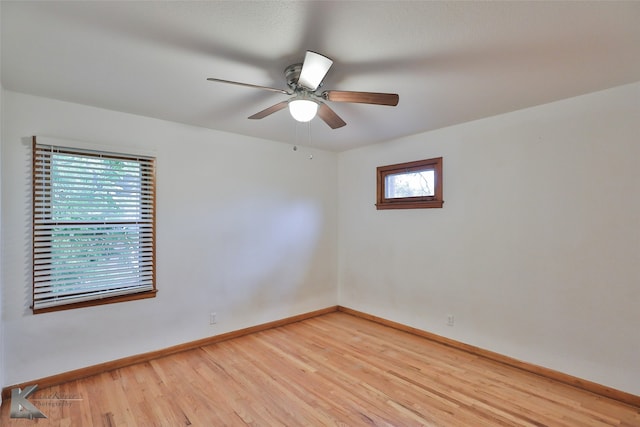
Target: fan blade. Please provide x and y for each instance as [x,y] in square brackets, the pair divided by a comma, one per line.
[361,97]
[330,117]
[268,111]
[314,68]
[272,89]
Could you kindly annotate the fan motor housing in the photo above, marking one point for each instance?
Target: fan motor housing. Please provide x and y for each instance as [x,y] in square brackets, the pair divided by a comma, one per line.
[292,74]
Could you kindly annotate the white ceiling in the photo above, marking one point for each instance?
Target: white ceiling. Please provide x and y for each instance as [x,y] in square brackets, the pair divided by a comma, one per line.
[450,62]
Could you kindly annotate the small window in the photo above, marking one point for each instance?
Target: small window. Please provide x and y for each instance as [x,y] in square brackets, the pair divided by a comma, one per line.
[93,227]
[411,185]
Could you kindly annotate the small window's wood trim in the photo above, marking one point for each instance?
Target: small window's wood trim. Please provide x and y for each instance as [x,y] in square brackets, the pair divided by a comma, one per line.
[435,201]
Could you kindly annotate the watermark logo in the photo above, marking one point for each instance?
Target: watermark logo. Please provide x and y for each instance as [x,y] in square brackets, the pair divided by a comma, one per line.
[21,407]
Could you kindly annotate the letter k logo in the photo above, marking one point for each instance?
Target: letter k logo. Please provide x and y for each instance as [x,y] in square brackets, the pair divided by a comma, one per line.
[21,407]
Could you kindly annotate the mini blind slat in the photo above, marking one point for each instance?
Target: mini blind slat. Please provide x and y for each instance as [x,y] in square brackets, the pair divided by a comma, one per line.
[94,225]
[109,271]
[55,291]
[94,289]
[66,268]
[73,187]
[44,226]
[112,280]
[47,266]
[67,288]
[44,250]
[66,295]
[69,299]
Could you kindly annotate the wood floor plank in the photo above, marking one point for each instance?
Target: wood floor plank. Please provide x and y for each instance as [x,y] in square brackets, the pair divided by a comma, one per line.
[334,369]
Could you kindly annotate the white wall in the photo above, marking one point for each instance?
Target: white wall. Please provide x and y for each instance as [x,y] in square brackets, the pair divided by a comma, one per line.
[245,227]
[537,249]
[2,349]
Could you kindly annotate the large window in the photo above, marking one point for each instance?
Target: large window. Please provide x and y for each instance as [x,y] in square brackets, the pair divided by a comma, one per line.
[93,227]
[410,185]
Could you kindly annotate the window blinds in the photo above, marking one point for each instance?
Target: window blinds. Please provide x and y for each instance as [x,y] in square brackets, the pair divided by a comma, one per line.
[93,225]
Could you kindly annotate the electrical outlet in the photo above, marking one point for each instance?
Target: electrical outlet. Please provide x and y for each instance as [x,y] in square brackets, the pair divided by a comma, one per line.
[213,318]
[451,320]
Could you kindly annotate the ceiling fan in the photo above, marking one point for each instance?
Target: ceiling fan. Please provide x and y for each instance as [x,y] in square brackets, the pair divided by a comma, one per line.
[304,81]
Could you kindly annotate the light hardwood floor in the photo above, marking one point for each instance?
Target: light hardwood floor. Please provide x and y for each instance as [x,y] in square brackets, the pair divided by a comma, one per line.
[335,369]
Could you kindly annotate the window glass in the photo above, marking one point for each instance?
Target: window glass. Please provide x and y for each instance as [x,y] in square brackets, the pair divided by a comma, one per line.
[410,184]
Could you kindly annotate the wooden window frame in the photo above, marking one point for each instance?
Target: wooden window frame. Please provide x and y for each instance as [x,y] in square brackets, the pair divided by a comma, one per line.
[97,299]
[422,202]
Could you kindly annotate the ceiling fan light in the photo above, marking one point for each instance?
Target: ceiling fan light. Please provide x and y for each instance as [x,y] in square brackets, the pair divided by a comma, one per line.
[303,110]
[314,68]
